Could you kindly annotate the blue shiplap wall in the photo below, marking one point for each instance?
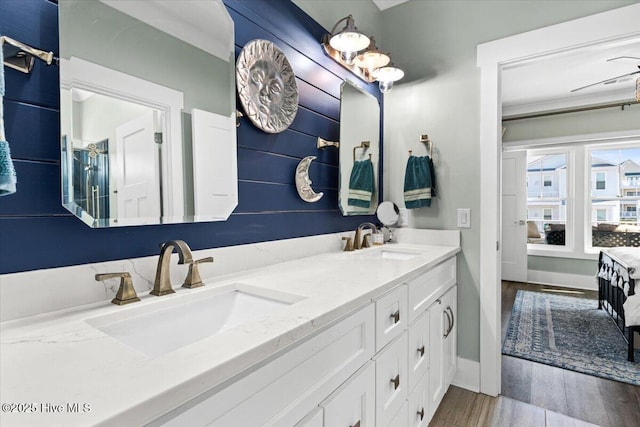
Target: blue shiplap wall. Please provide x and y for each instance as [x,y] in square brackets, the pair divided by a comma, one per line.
[37,232]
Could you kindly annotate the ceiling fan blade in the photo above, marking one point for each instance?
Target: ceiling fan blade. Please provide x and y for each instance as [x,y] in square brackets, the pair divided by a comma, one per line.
[612,79]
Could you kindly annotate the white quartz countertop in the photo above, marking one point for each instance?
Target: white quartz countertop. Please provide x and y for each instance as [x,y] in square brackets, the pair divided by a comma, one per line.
[51,362]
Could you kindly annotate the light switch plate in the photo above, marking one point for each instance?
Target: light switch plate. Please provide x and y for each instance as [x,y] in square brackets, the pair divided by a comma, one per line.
[464,218]
[403,220]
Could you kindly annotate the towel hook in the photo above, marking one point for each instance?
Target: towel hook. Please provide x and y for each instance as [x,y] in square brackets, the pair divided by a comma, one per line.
[21,56]
[364,145]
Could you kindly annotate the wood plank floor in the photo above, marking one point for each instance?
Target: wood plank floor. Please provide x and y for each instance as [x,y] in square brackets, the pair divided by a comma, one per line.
[539,395]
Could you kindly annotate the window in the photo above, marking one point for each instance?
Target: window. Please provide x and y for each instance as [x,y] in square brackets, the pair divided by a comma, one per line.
[614,203]
[547,199]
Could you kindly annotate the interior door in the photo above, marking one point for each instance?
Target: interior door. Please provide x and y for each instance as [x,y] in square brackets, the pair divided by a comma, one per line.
[138,193]
[514,216]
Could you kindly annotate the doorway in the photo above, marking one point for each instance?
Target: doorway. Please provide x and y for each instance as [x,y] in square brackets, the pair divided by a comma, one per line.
[615,25]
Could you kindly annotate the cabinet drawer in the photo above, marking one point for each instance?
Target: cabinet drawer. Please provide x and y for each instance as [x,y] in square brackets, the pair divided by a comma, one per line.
[353,404]
[313,419]
[283,391]
[418,349]
[419,410]
[391,380]
[424,290]
[400,420]
[391,316]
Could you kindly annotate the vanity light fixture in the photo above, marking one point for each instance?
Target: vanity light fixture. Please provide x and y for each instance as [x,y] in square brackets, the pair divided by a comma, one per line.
[348,41]
[386,76]
[372,58]
[359,54]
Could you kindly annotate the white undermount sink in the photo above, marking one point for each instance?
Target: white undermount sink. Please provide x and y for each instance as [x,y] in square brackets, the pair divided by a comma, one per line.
[164,326]
[395,253]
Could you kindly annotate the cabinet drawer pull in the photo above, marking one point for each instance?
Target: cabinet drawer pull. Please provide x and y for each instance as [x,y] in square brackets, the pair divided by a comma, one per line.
[421,351]
[395,316]
[421,413]
[453,318]
[356,424]
[396,382]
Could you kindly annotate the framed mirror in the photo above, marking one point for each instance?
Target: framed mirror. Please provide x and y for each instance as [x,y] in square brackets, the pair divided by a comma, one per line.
[359,151]
[147,108]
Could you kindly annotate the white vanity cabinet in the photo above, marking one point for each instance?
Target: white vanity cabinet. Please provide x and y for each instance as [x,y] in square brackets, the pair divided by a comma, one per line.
[386,365]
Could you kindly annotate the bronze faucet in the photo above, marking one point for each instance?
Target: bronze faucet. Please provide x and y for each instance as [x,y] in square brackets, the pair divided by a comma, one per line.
[364,242]
[162,284]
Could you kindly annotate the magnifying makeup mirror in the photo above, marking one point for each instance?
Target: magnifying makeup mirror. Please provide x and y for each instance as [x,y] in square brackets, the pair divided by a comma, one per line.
[388,214]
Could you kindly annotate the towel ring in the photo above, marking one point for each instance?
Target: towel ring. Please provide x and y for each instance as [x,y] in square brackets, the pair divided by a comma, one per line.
[424,138]
[364,145]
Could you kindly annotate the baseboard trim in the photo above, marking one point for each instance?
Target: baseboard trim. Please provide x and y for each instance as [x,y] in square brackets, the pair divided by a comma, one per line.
[565,280]
[467,375]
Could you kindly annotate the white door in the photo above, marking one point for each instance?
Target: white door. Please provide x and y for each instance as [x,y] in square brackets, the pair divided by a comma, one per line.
[139,178]
[514,216]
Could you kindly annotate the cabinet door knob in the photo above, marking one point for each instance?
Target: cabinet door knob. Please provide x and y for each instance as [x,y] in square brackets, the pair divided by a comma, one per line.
[421,351]
[356,424]
[421,413]
[396,382]
[396,316]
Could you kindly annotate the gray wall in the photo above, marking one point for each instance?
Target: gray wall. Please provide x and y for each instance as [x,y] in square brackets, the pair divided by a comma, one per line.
[435,42]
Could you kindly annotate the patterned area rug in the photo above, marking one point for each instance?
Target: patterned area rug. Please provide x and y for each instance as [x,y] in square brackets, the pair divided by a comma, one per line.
[569,333]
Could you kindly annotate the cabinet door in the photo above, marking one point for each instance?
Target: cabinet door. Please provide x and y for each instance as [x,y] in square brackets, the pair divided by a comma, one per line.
[449,304]
[419,410]
[353,403]
[437,328]
[391,380]
[418,350]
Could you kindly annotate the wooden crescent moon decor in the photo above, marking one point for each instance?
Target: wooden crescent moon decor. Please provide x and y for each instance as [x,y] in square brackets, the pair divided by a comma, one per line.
[303,183]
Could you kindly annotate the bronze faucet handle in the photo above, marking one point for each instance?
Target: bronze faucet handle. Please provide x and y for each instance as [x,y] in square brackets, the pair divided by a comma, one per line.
[365,241]
[193,279]
[348,247]
[126,292]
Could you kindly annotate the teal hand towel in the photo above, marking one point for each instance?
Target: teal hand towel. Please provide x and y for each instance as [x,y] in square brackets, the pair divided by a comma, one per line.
[7,172]
[361,184]
[419,182]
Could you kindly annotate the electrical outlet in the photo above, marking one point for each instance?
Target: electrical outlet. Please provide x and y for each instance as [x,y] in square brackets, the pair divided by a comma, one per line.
[464,218]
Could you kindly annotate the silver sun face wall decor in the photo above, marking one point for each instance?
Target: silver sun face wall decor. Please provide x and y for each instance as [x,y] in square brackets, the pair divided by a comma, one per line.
[266,86]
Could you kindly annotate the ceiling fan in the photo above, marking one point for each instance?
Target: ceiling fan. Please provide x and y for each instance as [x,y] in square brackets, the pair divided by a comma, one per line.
[612,80]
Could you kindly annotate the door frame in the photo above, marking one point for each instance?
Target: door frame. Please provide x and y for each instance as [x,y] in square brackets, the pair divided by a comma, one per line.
[615,25]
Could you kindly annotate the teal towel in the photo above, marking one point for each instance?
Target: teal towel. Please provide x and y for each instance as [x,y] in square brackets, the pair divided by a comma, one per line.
[7,172]
[361,184]
[419,182]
